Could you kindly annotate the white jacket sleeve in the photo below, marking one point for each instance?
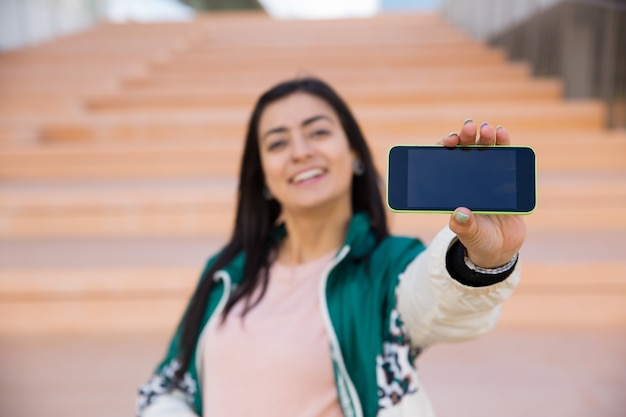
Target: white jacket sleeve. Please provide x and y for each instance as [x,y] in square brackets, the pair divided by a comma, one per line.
[169,405]
[435,307]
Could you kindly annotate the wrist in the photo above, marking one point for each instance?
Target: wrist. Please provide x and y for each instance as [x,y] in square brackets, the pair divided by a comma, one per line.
[491,260]
[472,276]
[491,270]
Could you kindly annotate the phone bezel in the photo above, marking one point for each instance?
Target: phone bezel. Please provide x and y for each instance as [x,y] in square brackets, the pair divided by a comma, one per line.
[526,179]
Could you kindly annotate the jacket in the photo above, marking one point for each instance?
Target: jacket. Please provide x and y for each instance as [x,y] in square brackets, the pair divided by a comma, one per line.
[382,303]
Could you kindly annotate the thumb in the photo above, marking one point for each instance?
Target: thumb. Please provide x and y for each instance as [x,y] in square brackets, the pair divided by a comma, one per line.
[463,223]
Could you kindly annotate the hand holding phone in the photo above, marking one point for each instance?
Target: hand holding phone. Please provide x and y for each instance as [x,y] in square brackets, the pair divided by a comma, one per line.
[490,240]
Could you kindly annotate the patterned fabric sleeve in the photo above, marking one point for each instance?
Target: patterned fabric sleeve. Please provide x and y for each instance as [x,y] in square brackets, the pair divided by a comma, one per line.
[395,370]
[163,382]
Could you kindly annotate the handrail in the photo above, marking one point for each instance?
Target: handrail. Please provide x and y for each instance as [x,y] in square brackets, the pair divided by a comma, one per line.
[580,41]
[602,3]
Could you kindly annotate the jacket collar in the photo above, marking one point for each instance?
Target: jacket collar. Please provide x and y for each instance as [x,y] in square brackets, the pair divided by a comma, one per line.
[360,238]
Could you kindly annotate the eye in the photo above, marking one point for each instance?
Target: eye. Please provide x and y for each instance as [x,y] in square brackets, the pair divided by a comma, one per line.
[276,144]
[320,133]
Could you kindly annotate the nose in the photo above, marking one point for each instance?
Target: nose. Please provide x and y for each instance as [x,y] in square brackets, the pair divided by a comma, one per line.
[301,148]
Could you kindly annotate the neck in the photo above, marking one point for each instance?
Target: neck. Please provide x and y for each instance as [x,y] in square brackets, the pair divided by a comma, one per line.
[312,235]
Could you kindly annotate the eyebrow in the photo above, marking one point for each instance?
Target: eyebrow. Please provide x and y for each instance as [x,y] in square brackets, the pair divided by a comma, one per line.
[305,123]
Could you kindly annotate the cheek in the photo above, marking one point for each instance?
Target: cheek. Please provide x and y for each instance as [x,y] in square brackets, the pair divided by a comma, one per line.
[344,160]
[347,171]
[272,169]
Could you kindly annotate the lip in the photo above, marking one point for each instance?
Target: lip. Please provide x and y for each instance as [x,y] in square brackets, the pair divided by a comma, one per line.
[317,173]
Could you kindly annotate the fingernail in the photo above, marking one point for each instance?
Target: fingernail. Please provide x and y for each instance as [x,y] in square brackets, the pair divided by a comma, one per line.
[461,217]
[466,121]
[483,124]
[499,127]
[452,134]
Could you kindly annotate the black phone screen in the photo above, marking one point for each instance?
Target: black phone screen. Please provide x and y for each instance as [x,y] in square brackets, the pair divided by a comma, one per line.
[481,178]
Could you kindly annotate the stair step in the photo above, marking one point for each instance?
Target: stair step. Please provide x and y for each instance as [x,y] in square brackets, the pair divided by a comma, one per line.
[587,189]
[348,56]
[173,123]
[68,284]
[219,156]
[151,299]
[204,209]
[195,96]
[341,77]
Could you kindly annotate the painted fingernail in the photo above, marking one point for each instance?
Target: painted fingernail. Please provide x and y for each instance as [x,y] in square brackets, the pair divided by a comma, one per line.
[499,127]
[461,217]
[452,134]
[483,124]
[466,121]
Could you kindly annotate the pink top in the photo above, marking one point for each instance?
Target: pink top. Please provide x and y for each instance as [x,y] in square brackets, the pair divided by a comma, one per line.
[276,361]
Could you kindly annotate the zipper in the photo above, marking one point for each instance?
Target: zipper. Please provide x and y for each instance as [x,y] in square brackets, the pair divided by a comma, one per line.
[348,398]
[223,276]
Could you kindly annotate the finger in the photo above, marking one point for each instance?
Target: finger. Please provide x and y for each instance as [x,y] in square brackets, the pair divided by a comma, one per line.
[502,136]
[487,135]
[449,141]
[467,136]
[462,222]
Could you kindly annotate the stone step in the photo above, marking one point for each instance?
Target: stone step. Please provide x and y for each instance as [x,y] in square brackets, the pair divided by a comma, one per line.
[541,246]
[387,119]
[427,94]
[75,283]
[344,77]
[563,295]
[207,209]
[426,56]
[37,79]
[218,154]
[105,97]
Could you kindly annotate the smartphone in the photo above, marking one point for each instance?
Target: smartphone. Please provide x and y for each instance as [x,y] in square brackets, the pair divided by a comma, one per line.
[485,179]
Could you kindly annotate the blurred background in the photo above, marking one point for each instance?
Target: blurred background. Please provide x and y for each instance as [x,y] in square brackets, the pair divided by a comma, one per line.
[121,125]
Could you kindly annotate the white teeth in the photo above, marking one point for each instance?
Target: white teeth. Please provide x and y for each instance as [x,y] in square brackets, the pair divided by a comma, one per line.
[306,175]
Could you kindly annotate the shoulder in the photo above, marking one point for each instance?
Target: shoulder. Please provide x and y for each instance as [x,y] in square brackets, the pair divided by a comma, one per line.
[400,246]
[394,253]
[228,258]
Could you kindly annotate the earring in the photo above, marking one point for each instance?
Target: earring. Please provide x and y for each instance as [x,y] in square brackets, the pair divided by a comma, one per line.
[357,167]
[267,194]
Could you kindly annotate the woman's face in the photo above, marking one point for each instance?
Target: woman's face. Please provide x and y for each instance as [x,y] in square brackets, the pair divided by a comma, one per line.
[305,154]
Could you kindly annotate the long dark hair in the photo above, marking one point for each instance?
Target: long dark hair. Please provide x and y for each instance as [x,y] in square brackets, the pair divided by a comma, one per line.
[256,216]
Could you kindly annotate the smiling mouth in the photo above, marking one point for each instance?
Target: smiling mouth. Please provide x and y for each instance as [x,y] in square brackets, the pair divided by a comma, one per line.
[307,175]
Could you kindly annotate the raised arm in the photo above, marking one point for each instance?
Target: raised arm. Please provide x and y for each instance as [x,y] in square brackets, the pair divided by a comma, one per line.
[453,290]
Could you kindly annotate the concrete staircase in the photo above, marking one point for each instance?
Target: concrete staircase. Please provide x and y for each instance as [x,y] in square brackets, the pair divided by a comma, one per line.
[119,150]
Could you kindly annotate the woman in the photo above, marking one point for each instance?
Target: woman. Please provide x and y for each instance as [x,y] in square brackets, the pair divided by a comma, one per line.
[312,308]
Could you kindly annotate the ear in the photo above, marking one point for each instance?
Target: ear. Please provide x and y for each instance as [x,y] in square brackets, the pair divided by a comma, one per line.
[357,164]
